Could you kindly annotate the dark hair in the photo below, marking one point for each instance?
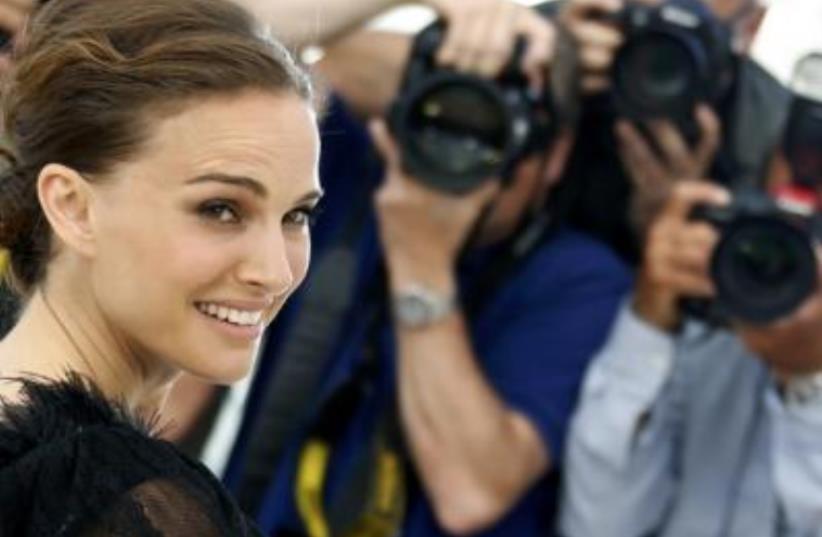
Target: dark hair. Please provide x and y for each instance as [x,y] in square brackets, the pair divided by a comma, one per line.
[90,75]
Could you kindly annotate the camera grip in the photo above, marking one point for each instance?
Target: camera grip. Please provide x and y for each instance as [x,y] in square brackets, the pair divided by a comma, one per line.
[431,38]
[718,217]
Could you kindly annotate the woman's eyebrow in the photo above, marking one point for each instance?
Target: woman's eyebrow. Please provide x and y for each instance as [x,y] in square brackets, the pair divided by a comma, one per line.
[237,180]
[314,195]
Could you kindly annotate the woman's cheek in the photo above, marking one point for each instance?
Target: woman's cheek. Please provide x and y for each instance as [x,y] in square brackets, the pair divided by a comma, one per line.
[299,257]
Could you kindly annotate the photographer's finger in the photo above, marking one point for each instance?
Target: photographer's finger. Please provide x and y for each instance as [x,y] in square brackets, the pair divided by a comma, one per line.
[710,130]
[494,41]
[700,234]
[384,143]
[454,41]
[674,147]
[597,34]
[541,45]
[687,282]
[689,194]
[643,165]
[694,256]
[595,59]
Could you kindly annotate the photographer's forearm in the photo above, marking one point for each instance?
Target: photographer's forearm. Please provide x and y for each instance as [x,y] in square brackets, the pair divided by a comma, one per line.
[476,456]
[301,23]
[365,68]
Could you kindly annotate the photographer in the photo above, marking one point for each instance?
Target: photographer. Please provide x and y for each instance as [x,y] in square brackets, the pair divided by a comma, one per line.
[13,16]
[691,430]
[481,365]
[631,151]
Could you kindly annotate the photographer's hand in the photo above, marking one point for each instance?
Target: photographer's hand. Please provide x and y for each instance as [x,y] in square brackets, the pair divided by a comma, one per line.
[791,346]
[677,255]
[655,175]
[597,38]
[482,33]
[422,230]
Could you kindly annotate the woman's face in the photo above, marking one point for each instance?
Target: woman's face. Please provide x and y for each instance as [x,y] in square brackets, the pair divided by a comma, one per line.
[202,238]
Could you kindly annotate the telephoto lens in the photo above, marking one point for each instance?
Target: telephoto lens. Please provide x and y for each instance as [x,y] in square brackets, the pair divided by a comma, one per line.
[457,130]
[674,56]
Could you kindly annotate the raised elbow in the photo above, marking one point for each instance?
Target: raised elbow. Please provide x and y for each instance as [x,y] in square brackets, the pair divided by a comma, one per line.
[466,512]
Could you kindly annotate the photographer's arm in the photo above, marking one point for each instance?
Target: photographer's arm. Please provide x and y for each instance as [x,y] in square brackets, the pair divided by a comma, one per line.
[655,172]
[619,462]
[301,23]
[475,455]
[366,68]
[792,348]
[480,38]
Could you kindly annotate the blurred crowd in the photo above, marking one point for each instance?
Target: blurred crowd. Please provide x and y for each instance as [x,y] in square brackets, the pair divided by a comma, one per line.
[566,280]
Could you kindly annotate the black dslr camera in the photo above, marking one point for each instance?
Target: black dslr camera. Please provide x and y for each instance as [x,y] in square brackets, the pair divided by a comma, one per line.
[457,130]
[675,56]
[765,265]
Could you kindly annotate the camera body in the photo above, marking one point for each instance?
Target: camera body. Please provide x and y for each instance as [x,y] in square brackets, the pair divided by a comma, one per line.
[457,130]
[674,57]
[764,266]
[802,143]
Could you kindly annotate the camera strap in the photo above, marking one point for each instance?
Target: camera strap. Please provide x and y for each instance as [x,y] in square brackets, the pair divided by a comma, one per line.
[532,233]
[290,392]
[373,500]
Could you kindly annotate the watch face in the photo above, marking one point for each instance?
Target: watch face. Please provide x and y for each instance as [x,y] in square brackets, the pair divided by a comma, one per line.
[413,309]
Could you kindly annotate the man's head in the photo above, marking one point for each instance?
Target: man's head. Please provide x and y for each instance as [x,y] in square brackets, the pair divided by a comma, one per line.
[528,190]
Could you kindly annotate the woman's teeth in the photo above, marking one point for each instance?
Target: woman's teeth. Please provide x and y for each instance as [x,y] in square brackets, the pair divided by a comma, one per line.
[230,315]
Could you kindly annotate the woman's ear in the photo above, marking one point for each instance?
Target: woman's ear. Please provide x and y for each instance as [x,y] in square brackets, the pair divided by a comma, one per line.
[65,197]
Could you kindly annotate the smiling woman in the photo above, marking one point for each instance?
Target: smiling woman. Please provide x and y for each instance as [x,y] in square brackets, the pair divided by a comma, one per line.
[157,208]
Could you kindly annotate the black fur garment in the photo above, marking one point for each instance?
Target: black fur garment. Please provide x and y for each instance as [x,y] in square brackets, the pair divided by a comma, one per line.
[74,464]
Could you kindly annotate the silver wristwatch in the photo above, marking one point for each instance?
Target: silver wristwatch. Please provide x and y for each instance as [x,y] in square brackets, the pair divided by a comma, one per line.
[418,306]
[805,389]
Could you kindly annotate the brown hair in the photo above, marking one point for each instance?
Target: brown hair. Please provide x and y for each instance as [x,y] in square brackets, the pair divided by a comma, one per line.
[82,88]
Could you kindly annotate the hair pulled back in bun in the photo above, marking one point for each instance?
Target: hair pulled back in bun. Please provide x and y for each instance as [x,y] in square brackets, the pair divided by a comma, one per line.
[91,76]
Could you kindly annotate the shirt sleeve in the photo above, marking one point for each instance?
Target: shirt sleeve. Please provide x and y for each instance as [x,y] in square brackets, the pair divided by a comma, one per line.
[535,348]
[797,422]
[620,455]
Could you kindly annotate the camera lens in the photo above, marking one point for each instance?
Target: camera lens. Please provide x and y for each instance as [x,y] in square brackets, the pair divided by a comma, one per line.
[764,269]
[764,259]
[459,131]
[657,74]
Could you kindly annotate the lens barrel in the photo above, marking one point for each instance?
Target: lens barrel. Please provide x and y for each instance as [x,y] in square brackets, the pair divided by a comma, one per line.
[457,130]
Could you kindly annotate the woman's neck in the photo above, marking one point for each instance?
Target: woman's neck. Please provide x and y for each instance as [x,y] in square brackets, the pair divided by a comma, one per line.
[61,332]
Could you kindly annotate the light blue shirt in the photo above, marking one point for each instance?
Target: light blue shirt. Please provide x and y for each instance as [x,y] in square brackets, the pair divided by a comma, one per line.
[687,437]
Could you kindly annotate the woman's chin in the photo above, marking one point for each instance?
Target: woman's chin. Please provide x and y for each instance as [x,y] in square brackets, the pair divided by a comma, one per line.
[231,368]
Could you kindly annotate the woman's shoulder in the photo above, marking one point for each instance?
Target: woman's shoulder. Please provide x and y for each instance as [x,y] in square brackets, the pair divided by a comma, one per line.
[73,462]
[38,412]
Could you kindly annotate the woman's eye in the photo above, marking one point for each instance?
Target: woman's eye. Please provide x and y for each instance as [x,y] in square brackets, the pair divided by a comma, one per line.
[222,212]
[302,217]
